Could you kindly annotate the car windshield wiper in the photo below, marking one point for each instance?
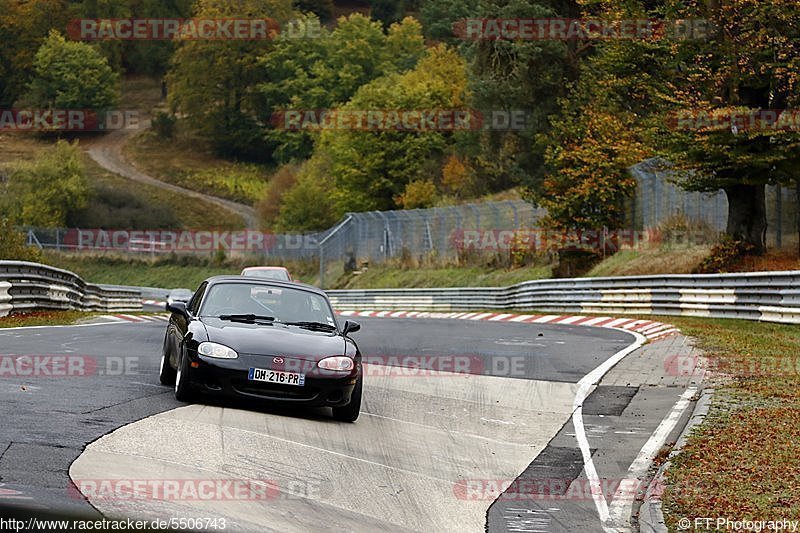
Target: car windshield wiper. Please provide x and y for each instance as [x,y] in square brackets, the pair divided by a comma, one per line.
[320,326]
[247,318]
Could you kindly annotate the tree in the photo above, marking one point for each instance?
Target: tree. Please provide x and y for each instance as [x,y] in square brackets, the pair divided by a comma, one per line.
[388,11]
[308,205]
[321,8]
[48,191]
[13,246]
[605,126]
[439,16]
[325,72]
[511,76]
[72,75]
[751,63]
[23,28]
[370,169]
[215,82]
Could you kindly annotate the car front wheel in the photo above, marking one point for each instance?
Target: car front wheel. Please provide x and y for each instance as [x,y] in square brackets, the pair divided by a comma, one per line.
[183,392]
[166,374]
[350,412]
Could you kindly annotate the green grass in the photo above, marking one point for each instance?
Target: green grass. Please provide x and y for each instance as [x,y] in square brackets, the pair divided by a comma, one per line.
[188,162]
[676,260]
[743,462]
[44,318]
[168,273]
[389,277]
[120,203]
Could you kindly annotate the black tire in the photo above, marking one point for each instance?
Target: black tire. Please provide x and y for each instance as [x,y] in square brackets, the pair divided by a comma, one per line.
[166,374]
[183,391]
[350,412]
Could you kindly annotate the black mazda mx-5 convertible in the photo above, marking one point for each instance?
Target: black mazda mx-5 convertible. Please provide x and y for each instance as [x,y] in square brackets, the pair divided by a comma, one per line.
[263,339]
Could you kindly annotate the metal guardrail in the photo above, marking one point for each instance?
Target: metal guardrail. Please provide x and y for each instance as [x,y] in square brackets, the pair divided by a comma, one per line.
[26,287]
[764,296]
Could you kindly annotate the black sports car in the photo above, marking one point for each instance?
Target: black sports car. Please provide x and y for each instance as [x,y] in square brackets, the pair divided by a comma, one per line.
[263,339]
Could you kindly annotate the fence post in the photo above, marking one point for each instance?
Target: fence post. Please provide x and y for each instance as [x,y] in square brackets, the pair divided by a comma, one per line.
[321,267]
[778,216]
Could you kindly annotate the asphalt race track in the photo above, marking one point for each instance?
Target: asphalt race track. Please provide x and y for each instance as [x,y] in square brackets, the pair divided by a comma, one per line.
[426,438]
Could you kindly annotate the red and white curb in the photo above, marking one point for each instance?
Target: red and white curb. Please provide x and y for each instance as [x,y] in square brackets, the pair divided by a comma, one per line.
[651,329]
[135,318]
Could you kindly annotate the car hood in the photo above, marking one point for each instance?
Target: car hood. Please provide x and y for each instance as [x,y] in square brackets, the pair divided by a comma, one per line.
[274,340]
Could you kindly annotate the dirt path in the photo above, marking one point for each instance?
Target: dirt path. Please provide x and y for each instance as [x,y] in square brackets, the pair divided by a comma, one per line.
[107,152]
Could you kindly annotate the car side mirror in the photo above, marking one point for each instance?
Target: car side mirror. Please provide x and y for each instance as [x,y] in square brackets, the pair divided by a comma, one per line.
[178,308]
[350,327]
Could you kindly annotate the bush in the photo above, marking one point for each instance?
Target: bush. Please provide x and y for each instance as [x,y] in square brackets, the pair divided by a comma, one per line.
[72,75]
[48,191]
[163,125]
[269,207]
[725,256]
[13,246]
[419,194]
[306,207]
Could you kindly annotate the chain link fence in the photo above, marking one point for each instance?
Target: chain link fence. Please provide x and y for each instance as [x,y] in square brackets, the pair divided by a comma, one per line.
[441,233]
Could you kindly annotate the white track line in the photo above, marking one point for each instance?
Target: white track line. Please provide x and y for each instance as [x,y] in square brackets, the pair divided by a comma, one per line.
[622,503]
[585,386]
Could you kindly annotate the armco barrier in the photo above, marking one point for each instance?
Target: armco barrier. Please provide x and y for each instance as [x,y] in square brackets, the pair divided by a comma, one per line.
[26,287]
[765,296]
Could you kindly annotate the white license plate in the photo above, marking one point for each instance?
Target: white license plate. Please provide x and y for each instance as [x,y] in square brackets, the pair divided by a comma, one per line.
[276,376]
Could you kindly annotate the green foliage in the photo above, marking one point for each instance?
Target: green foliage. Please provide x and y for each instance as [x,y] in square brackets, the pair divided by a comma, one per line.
[307,206]
[23,27]
[387,11]
[750,64]
[439,16]
[321,8]
[370,168]
[325,72]
[419,194]
[46,192]
[72,75]
[526,76]
[214,82]
[13,246]
[163,124]
[241,182]
[269,207]
[601,131]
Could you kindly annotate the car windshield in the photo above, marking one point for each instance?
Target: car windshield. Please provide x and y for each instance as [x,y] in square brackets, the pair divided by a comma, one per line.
[263,300]
[267,274]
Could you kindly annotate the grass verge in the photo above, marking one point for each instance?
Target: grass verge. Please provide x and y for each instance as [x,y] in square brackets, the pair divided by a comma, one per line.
[672,260]
[388,277]
[167,272]
[743,462]
[117,202]
[44,318]
[188,162]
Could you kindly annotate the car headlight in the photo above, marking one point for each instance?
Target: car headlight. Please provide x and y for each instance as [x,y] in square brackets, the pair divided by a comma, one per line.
[338,363]
[217,351]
